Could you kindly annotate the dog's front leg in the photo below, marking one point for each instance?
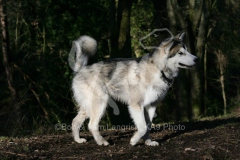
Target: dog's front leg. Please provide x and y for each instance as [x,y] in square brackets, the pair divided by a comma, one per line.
[137,114]
[149,114]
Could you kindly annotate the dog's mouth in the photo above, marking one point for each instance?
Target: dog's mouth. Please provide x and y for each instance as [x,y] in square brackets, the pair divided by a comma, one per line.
[185,66]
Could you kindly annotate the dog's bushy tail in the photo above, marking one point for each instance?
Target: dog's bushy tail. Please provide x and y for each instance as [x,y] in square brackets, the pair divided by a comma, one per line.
[82,49]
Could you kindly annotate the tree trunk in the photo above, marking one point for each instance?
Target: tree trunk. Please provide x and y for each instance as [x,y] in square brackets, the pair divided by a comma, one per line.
[7,61]
[172,18]
[197,77]
[222,63]
[223,91]
[120,28]
[113,43]
[6,52]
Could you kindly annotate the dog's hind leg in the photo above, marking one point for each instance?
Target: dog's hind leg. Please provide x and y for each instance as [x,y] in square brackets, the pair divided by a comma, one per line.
[97,110]
[137,114]
[149,114]
[77,124]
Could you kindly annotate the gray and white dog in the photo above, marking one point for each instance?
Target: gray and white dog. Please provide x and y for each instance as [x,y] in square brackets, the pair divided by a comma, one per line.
[141,83]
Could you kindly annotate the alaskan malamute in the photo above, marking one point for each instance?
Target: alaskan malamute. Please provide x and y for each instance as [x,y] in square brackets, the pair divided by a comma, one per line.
[140,83]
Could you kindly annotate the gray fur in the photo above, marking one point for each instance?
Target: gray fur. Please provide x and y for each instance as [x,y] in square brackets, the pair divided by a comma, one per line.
[82,48]
[140,83]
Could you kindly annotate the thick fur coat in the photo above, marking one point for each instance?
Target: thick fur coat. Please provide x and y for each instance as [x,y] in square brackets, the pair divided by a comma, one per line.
[141,83]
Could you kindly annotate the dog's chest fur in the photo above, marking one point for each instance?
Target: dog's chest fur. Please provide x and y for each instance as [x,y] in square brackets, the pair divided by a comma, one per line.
[155,91]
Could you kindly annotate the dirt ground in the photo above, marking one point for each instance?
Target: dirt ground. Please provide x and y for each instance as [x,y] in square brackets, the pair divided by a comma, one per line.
[205,139]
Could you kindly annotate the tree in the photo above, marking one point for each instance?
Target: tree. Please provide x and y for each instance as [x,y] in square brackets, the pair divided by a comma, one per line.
[221,64]
[120,40]
[7,62]
[196,22]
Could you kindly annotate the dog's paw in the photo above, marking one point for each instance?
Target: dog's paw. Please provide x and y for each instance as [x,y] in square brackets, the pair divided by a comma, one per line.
[133,142]
[151,143]
[103,142]
[81,140]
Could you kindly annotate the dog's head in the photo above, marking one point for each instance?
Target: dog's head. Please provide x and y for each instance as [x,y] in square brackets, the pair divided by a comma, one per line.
[176,54]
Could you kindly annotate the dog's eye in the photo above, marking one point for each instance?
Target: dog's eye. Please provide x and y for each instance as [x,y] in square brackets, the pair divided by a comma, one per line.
[180,53]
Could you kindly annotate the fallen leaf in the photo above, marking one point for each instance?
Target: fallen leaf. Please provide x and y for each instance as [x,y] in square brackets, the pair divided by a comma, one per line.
[190,149]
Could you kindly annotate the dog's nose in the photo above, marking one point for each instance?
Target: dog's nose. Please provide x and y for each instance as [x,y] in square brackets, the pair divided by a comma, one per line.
[195,60]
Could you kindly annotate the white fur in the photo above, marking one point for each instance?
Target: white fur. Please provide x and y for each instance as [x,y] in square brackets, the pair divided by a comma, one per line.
[139,84]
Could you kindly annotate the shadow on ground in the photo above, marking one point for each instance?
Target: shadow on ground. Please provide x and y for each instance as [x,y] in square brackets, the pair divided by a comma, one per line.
[205,139]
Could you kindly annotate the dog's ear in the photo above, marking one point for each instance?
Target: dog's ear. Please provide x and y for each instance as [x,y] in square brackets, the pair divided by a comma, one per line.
[180,36]
[167,41]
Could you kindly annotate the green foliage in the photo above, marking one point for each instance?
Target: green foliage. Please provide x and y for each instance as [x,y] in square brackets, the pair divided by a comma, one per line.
[142,15]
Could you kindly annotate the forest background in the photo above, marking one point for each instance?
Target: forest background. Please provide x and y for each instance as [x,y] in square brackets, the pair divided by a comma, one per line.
[36,37]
